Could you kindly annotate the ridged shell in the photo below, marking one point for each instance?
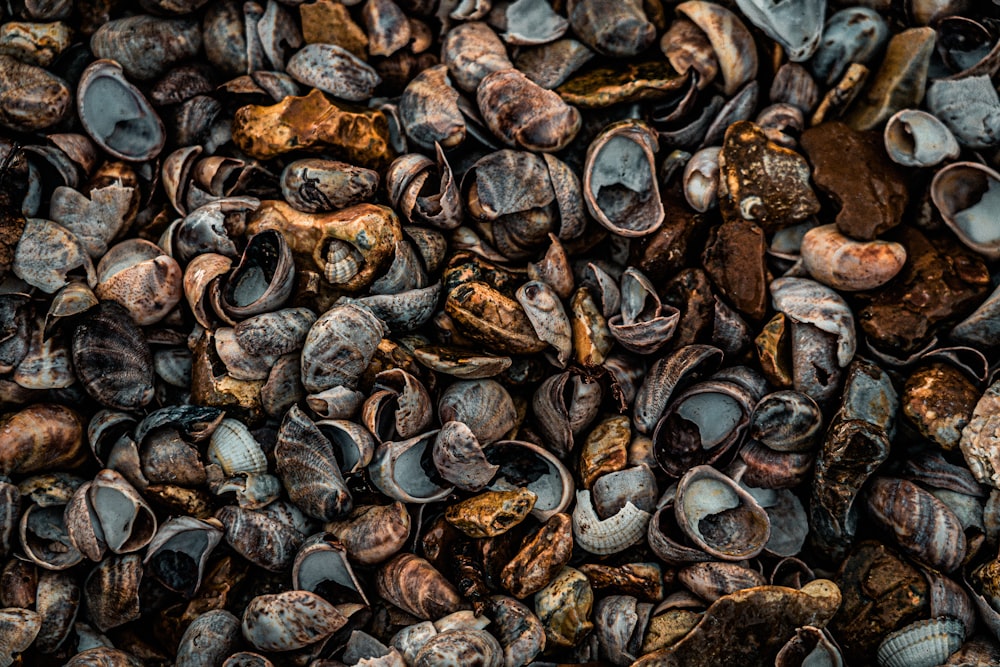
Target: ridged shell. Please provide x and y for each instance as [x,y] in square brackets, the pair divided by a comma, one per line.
[922,644]
[308,468]
[460,648]
[234,448]
[112,358]
[614,534]
[339,347]
[373,533]
[111,591]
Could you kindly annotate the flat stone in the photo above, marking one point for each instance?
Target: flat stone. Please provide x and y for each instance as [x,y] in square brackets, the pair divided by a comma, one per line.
[762,182]
[941,280]
[853,169]
[734,260]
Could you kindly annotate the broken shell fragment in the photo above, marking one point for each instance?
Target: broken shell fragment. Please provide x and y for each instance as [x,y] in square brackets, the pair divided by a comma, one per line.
[31,98]
[842,263]
[333,70]
[966,193]
[915,138]
[525,115]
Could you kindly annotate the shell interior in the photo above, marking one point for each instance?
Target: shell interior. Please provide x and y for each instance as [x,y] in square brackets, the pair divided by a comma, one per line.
[176,563]
[980,221]
[120,516]
[528,471]
[121,121]
[415,473]
[715,415]
[621,180]
[327,573]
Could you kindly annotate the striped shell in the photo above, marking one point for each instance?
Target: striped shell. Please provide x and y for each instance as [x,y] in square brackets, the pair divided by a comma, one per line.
[308,468]
[113,359]
[235,450]
[614,534]
[922,644]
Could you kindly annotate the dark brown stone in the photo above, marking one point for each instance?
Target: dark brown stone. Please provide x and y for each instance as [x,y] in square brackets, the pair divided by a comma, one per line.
[667,250]
[633,82]
[941,281]
[645,581]
[734,260]
[881,593]
[691,293]
[853,169]
[939,400]
[762,182]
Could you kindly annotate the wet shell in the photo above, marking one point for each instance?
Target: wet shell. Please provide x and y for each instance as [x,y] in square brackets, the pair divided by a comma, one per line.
[116,115]
[333,70]
[922,644]
[146,46]
[414,585]
[525,115]
[290,620]
[209,639]
[619,179]
[734,47]
[178,553]
[111,591]
[719,516]
[967,194]
[915,138]
[40,437]
[112,358]
[31,98]
[235,449]
[18,629]
[459,457]
[308,468]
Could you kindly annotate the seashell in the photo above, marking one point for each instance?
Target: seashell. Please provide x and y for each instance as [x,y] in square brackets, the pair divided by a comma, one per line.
[472,50]
[404,274]
[372,533]
[644,324]
[922,644]
[701,424]
[139,276]
[103,656]
[548,317]
[46,253]
[95,219]
[852,35]
[840,262]
[204,230]
[794,86]
[687,48]
[321,562]
[969,107]
[564,405]
[235,450]
[41,436]
[111,591]
[620,622]
[307,466]
[618,30]
[403,470]
[710,581]
[31,98]
[635,485]
[247,659]
[333,70]
[965,193]
[289,620]
[786,421]
[409,640]
[44,539]
[146,46]
[482,405]
[795,26]
[809,302]
[522,465]
[260,537]
[665,375]
[408,178]
[701,178]
[616,533]
[116,115]
[315,185]
[734,47]
[209,639]
[339,347]
[532,22]
[980,327]
[352,443]
[459,457]
[915,138]
[626,203]
[564,608]
[335,402]
[719,516]
[112,358]
[127,522]
[461,647]
[262,281]
[404,311]
[57,602]
[179,551]
[19,627]
[523,114]
[517,628]
[415,586]
[429,110]
[387,26]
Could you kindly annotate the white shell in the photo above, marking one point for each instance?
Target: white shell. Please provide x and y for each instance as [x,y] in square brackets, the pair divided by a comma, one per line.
[915,138]
[922,644]
[235,450]
[810,302]
[617,533]
[797,24]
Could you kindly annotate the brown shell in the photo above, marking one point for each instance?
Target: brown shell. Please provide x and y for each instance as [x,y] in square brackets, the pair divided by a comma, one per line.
[42,436]
[113,359]
[308,468]
[525,115]
[414,585]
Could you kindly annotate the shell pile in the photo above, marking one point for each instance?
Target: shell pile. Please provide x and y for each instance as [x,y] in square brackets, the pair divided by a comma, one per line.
[411,333]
